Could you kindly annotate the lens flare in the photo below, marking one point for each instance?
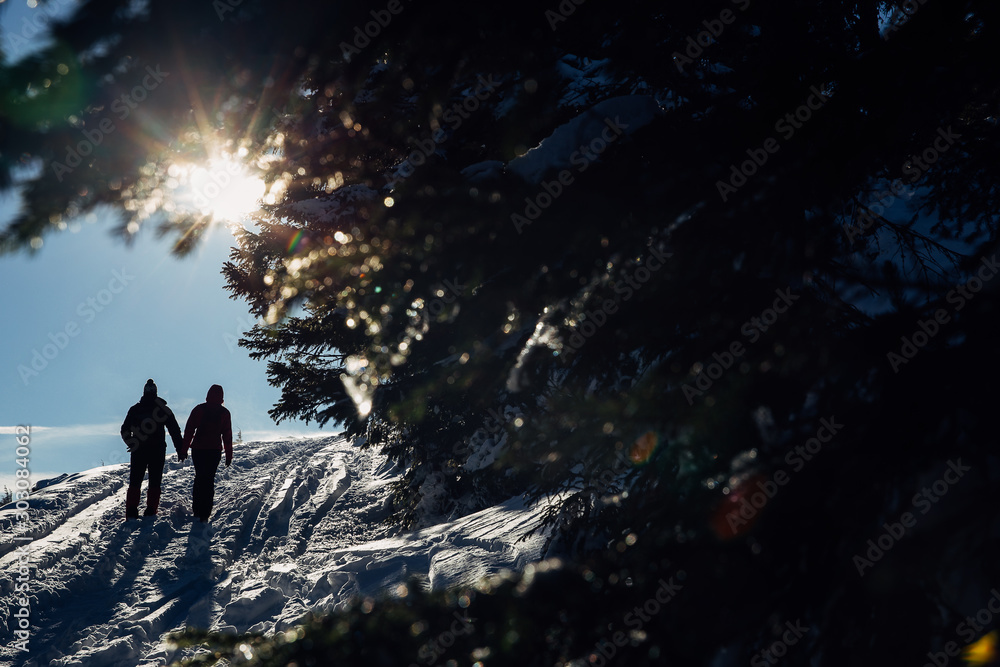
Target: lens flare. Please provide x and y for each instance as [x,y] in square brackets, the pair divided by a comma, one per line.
[642,449]
[983,651]
[293,243]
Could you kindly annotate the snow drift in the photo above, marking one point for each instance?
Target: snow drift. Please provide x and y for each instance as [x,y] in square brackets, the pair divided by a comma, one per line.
[297,526]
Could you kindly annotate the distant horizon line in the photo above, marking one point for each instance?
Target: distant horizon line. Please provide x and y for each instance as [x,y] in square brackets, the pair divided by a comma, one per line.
[112,428]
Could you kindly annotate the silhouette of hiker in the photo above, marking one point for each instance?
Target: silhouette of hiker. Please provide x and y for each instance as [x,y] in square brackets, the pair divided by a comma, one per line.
[209,429]
[142,431]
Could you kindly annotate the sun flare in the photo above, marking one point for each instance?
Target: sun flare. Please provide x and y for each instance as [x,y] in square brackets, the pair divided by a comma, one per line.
[222,187]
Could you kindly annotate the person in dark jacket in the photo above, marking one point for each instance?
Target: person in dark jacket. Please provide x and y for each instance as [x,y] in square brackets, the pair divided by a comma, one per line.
[208,432]
[142,431]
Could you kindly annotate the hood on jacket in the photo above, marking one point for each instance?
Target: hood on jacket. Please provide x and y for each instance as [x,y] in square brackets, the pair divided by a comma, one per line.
[214,394]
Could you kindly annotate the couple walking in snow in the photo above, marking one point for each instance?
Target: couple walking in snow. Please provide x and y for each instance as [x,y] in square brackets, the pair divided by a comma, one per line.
[207,434]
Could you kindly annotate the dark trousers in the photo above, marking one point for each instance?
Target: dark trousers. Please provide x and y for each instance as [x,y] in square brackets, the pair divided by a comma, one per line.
[147,457]
[206,462]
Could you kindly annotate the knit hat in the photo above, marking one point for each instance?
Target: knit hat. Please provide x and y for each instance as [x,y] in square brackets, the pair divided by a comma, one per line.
[150,388]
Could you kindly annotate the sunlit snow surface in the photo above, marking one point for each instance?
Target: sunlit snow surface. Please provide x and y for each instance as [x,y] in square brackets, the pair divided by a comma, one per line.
[296,527]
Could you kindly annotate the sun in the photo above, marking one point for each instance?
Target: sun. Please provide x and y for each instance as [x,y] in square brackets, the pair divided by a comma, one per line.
[221,187]
[226,189]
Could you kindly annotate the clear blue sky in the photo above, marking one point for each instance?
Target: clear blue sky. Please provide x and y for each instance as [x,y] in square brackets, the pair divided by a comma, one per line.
[103,318]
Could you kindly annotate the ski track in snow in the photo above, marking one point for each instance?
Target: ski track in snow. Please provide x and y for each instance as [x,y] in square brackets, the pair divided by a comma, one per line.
[296,526]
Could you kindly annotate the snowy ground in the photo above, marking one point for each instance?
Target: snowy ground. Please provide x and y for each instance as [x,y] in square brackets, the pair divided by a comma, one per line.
[296,527]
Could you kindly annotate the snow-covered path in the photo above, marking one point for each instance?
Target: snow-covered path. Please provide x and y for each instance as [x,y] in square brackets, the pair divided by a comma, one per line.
[296,527]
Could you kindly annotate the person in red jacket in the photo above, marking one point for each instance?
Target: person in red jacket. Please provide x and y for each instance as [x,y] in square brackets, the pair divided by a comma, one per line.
[209,430]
